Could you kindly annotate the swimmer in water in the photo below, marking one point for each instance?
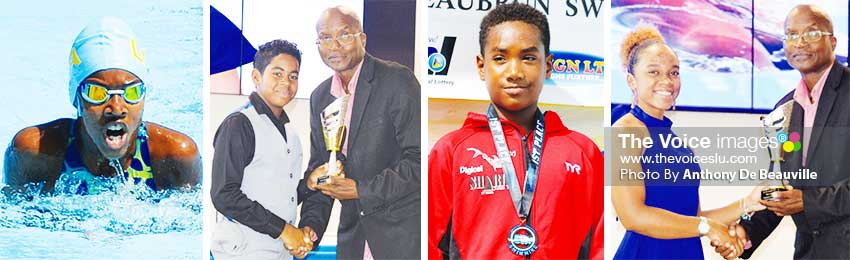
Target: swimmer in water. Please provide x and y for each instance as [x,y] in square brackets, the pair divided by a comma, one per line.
[108,137]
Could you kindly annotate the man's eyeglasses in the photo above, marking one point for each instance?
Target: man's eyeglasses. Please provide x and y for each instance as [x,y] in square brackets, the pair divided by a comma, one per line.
[812,36]
[97,94]
[345,39]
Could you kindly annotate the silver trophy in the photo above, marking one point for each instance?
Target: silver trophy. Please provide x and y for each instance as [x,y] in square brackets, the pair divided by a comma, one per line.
[779,120]
[333,126]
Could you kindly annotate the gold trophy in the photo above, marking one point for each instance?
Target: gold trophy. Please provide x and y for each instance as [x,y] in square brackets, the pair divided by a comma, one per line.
[333,126]
[777,121]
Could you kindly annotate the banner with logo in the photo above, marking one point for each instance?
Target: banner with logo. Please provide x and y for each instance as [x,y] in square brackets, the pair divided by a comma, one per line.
[576,29]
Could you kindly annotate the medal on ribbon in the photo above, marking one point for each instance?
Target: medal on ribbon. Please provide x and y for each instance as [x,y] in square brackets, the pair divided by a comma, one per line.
[522,239]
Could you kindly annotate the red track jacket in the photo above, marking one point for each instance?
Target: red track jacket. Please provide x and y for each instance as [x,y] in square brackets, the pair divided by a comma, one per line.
[468,194]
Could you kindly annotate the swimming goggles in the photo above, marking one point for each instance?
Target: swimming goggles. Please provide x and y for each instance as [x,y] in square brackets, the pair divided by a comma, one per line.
[97,94]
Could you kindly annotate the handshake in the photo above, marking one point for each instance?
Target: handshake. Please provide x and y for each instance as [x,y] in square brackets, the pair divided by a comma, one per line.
[730,242]
[297,241]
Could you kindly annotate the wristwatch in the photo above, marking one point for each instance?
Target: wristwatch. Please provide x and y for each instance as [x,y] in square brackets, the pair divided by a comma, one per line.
[703,226]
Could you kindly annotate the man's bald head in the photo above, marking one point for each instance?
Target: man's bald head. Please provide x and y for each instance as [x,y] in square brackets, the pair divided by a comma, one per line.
[816,13]
[345,14]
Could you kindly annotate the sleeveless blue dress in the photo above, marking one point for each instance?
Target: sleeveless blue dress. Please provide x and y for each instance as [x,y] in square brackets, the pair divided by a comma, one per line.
[681,197]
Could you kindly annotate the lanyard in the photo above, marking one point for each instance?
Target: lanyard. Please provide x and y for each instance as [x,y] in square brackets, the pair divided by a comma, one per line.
[521,200]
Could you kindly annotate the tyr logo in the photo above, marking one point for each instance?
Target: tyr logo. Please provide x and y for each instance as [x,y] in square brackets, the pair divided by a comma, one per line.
[575,168]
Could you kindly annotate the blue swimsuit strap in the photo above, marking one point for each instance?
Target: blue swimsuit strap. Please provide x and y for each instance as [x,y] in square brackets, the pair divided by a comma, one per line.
[73,161]
[140,165]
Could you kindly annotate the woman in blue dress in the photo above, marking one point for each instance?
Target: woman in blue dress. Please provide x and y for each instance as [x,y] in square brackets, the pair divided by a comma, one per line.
[663,219]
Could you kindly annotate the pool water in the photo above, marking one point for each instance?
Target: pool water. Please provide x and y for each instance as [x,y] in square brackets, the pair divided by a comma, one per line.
[108,225]
[126,222]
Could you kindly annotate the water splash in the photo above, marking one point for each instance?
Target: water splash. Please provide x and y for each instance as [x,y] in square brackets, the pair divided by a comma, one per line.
[117,208]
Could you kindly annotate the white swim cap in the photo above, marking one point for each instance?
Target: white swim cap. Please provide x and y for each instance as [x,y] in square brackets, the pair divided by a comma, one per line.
[107,43]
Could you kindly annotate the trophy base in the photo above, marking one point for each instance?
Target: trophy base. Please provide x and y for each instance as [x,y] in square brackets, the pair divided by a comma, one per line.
[770,193]
[323,180]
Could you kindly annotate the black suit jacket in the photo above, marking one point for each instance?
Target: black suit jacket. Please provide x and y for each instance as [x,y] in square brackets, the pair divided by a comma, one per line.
[383,158]
[823,228]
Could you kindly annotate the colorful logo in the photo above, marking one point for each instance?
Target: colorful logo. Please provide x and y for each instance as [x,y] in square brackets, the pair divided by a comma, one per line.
[436,62]
[577,66]
[439,60]
[790,143]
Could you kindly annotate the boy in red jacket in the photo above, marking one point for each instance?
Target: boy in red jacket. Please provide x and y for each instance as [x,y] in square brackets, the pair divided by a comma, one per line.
[548,202]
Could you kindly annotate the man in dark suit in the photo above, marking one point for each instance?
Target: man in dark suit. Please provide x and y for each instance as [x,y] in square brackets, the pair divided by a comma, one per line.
[379,188]
[820,207]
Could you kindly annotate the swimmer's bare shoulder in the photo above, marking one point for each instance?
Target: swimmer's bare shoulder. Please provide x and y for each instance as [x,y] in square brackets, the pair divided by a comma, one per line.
[36,154]
[175,160]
